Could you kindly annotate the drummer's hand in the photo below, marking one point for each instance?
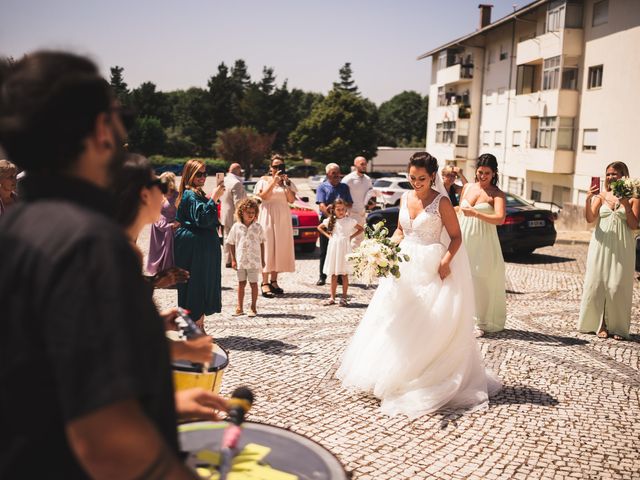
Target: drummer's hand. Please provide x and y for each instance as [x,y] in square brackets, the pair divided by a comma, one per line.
[169,277]
[197,350]
[169,316]
[199,404]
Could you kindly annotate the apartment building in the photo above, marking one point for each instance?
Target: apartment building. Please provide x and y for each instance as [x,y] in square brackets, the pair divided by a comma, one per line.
[552,90]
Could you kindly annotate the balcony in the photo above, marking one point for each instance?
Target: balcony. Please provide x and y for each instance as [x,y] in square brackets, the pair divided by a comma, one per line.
[455,74]
[548,160]
[548,103]
[565,42]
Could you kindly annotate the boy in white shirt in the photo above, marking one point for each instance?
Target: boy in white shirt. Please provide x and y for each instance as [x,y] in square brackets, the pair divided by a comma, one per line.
[246,246]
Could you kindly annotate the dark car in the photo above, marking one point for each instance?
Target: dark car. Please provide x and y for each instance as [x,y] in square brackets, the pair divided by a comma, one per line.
[525,228]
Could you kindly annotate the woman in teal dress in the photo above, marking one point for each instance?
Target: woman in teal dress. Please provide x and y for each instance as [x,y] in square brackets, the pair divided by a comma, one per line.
[197,244]
[483,206]
[608,283]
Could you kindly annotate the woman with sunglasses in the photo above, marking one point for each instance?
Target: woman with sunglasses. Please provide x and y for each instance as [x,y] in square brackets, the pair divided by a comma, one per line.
[449,176]
[483,206]
[276,192]
[197,244]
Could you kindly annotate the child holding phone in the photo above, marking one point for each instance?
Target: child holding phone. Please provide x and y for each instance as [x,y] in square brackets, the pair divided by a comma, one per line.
[339,229]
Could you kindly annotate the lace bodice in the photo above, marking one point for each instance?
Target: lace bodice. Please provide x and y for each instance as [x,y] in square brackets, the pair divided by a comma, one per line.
[426,228]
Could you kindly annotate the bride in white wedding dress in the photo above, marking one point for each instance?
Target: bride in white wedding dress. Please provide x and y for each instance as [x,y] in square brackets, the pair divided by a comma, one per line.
[415,348]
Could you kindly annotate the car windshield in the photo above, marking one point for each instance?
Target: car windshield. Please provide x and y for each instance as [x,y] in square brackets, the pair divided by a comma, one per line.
[381,183]
[249,186]
[515,201]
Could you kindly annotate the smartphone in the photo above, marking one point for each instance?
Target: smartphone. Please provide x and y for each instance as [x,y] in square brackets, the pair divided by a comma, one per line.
[595,182]
[219,178]
[281,167]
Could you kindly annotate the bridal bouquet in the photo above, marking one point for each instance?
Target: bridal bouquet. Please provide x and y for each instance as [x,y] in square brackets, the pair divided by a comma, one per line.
[626,187]
[377,255]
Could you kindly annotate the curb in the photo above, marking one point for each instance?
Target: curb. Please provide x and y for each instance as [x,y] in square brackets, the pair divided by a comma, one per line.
[571,241]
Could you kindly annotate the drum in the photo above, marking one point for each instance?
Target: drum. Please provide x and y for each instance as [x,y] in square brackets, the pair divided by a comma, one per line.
[265,451]
[190,375]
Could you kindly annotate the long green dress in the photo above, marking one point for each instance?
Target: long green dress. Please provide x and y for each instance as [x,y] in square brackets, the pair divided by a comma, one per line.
[608,283]
[197,249]
[487,269]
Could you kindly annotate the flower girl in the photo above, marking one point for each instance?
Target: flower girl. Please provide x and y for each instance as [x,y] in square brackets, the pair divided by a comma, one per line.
[339,229]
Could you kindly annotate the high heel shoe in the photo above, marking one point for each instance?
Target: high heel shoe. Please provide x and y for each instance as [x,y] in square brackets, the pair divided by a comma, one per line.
[275,288]
[266,290]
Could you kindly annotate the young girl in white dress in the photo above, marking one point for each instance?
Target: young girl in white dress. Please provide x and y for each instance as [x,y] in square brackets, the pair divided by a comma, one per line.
[415,348]
[339,229]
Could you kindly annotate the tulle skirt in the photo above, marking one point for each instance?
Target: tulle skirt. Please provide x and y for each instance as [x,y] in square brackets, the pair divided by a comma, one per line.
[415,348]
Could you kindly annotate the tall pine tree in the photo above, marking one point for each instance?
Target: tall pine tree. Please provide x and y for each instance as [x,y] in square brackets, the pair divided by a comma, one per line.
[346,83]
[119,85]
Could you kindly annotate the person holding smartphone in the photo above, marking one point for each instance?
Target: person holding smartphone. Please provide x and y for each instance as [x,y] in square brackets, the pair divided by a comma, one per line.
[276,192]
[197,244]
[608,284]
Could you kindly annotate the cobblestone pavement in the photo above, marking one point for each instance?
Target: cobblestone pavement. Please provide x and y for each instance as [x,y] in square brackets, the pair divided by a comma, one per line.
[570,406]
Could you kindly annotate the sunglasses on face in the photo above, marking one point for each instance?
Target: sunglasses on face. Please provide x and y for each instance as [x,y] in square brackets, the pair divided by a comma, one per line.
[156,182]
[200,175]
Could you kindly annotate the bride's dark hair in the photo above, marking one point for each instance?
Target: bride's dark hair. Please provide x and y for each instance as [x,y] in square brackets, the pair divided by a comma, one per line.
[423,160]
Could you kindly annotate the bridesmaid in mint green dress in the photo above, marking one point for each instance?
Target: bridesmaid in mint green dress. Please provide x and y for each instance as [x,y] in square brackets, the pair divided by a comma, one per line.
[483,205]
[608,284]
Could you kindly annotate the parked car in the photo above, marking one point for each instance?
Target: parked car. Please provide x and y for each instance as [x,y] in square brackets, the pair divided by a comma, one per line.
[525,228]
[304,219]
[316,180]
[390,190]
[377,175]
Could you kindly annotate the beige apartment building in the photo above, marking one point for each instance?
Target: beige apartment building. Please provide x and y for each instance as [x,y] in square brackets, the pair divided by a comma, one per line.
[552,90]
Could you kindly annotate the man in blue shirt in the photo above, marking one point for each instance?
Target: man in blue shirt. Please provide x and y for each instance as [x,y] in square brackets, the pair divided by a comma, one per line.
[328,191]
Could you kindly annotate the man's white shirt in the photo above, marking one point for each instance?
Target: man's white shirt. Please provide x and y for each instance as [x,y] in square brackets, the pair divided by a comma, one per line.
[361,189]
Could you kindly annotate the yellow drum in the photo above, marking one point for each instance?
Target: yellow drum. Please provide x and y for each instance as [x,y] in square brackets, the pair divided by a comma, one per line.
[190,375]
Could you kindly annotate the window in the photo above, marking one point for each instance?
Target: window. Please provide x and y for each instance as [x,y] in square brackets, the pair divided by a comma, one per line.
[490,57]
[442,99]
[462,139]
[555,16]
[498,138]
[595,77]
[501,95]
[525,80]
[488,97]
[503,53]
[536,191]
[600,13]
[589,139]
[569,78]
[485,138]
[546,132]
[551,73]
[382,183]
[516,138]
[442,60]
[565,134]
[405,185]
[445,132]
[514,185]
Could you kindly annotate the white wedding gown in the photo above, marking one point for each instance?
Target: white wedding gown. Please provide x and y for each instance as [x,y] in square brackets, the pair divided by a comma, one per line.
[415,349]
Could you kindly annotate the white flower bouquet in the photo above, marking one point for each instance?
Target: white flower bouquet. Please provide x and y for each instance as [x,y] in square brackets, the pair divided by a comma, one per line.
[626,187]
[377,256]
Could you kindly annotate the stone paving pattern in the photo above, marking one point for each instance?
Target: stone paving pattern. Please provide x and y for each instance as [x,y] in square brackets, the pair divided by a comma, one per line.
[570,406]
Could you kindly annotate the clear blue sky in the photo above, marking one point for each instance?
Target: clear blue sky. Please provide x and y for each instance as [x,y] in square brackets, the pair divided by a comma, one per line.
[179,43]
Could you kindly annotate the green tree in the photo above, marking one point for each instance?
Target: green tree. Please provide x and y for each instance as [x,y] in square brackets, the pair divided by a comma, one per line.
[346,83]
[339,128]
[147,136]
[244,145]
[118,84]
[221,91]
[151,103]
[193,118]
[403,120]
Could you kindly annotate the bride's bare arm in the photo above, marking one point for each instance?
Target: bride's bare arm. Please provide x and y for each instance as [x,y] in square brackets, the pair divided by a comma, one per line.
[398,235]
[450,222]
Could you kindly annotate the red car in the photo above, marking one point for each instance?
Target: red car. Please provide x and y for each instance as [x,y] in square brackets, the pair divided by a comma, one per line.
[304,219]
